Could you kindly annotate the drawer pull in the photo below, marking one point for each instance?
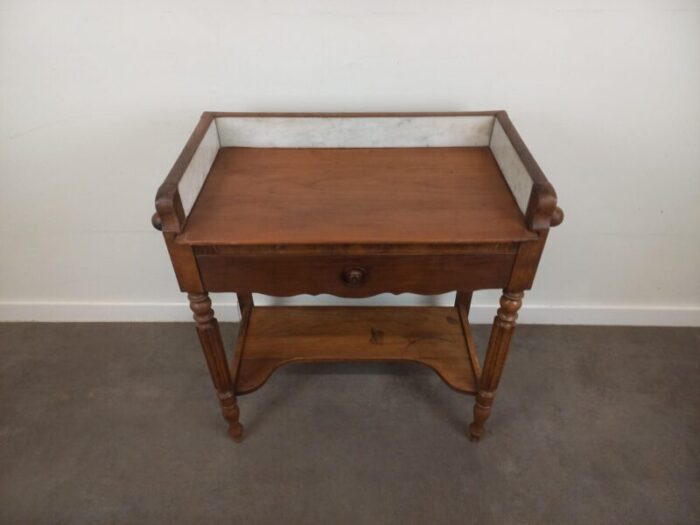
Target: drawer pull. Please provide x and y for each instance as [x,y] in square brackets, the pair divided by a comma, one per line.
[354,276]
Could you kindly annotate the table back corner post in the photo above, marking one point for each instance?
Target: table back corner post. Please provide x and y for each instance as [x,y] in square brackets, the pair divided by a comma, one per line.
[464,299]
[245,302]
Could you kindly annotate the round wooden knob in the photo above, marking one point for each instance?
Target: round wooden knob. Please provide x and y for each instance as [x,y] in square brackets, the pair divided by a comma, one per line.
[155,221]
[557,217]
[354,276]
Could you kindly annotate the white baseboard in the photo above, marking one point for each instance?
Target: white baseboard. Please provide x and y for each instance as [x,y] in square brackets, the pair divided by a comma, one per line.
[228,311]
[80,312]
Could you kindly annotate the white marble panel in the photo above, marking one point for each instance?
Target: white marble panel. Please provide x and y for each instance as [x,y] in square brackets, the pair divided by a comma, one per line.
[198,169]
[511,166]
[355,132]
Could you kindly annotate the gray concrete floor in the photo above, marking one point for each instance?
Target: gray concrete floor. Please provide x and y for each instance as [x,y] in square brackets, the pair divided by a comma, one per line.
[118,423]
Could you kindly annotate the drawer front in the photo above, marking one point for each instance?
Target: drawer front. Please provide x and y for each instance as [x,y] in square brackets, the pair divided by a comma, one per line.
[353,276]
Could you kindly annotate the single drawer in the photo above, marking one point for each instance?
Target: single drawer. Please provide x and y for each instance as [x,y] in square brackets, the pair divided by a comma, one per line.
[353,276]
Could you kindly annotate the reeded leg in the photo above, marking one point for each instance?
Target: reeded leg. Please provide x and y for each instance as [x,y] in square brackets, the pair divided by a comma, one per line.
[213,347]
[499,343]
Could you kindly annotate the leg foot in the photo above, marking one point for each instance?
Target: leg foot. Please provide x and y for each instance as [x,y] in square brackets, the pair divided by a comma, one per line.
[235,431]
[230,411]
[482,411]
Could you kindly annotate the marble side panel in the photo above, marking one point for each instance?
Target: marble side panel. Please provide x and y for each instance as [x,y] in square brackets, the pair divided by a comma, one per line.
[511,166]
[198,169]
[355,132]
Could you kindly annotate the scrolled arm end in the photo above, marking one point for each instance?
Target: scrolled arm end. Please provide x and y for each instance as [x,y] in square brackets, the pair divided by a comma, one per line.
[156,222]
[557,217]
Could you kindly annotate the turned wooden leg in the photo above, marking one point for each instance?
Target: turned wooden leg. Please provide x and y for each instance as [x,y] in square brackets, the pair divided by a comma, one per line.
[213,347]
[499,343]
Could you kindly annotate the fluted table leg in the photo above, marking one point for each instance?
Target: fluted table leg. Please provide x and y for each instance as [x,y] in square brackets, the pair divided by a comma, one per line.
[499,343]
[213,347]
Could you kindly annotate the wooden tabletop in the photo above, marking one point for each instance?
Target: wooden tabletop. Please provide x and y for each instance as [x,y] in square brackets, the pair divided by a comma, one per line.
[270,196]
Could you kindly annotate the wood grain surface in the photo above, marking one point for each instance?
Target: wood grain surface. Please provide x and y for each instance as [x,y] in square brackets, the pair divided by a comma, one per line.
[268,196]
[431,336]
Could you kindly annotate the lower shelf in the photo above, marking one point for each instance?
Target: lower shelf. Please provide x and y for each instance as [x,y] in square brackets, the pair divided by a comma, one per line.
[434,336]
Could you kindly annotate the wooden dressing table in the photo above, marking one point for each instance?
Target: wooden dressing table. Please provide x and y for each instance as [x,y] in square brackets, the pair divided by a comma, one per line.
[355,205]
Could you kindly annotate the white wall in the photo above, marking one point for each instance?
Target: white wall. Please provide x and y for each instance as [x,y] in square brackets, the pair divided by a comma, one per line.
[97,99]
